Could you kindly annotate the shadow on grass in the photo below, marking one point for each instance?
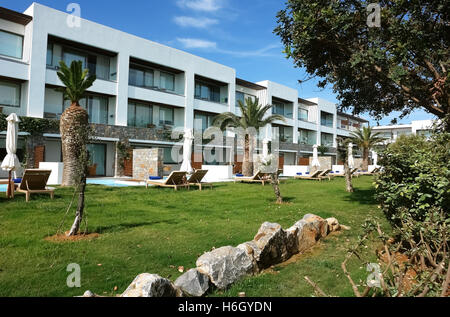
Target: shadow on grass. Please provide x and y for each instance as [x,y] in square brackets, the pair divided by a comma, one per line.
[362,196]
[126,226]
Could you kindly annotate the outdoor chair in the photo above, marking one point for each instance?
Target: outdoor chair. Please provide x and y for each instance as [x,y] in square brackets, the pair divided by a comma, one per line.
[175,180]
[259,177]
[313,176]
[196,179]
[34,181]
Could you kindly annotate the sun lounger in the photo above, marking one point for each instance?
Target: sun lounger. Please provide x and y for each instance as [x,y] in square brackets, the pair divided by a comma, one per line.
[325,174]
[374,171]
[34,181]
[313,176]
[259,177]
[352,173]
[196,179]
[175,180]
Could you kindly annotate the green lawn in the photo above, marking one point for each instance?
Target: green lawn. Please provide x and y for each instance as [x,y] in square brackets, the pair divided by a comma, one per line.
[156,230]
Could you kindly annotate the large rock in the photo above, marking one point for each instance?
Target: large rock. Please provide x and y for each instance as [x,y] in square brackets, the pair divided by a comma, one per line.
[253,252]
[307,235]
[193,283]
[271,240]
[333,224]
[319,223]
[150,285]
[225,265]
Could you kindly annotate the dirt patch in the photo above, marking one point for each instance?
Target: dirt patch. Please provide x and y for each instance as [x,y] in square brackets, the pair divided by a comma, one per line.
[79,237]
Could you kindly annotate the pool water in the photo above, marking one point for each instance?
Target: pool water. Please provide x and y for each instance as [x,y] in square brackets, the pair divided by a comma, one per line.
[3,188]
[111,182]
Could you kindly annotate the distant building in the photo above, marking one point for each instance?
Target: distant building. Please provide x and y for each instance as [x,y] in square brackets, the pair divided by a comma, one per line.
[392,132]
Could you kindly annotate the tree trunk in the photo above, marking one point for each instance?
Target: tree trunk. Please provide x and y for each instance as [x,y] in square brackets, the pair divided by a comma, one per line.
[276,188]
[73,120]
[80,209]
[247,164]
[348,178]
[365,164]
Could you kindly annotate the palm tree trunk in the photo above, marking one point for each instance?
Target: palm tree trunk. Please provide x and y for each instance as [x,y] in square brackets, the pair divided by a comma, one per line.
[348,178]
[247,164]
[365,165]
[80,209]
[73,120]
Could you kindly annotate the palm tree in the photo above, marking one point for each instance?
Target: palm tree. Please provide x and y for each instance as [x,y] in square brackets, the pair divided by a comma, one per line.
[74,118]
[366,140]
[74,132]
[253,116]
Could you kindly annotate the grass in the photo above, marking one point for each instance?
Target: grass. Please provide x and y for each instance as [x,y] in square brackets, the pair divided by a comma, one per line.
[156,230]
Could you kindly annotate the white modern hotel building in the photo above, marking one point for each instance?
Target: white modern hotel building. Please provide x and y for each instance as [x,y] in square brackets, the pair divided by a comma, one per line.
[142,88]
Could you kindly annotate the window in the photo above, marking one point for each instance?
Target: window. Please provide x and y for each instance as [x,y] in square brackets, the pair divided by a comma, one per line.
[139,115]
[207,92]
[167,81]
[9,94]
[303,114]
[166,116]
[326,139]
[278,108]
[98,109]
[141,77]
[167,156]
[285,133]
[306,137]
[206,120]
[11,44]
[70,56]
[243,97]
[326,119]
[49,54]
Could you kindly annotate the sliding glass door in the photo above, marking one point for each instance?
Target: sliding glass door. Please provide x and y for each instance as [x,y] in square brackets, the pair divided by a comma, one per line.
[97,157]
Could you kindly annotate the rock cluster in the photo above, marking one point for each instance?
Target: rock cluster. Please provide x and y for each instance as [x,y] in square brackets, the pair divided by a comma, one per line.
[223,266]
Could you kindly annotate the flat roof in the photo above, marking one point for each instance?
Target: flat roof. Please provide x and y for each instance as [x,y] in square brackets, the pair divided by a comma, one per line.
[306,102]
[14,16]
[339,113]
[249,84]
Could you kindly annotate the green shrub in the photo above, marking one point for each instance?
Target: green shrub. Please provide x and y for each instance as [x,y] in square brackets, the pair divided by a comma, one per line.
[416,177]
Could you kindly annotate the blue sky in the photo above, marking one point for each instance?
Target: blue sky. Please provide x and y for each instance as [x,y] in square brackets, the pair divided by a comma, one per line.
[236,33]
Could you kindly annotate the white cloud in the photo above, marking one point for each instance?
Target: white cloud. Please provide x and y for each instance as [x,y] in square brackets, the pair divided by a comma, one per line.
[197,43]
[195,22]
[265,51]
[201,5]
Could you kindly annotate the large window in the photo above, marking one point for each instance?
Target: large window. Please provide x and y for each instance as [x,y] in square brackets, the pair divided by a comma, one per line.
[326,139]
[206,120]
[141,77]
[242,97]
[306,137]
[11,44]
[166,116]
[167,81]
[207,92]
[281,109]
[139,115]
[96,64]
[49,54]
[326,119]
[9,94]
[97,108]
[302,114]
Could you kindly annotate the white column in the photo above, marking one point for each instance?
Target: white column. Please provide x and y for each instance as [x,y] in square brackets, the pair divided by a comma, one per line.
[189,105]
[36,49]
[123,64]
[295,118]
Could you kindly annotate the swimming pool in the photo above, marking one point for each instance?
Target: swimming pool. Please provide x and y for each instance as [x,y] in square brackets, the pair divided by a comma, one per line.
[112,182]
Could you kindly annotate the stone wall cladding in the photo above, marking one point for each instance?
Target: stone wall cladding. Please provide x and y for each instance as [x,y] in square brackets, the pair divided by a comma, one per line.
[147,162]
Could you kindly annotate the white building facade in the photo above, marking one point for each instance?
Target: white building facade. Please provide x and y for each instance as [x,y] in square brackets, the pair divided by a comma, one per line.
[143,90]
[392,132]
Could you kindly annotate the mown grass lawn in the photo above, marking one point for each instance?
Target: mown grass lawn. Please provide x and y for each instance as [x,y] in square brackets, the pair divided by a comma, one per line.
[156,230]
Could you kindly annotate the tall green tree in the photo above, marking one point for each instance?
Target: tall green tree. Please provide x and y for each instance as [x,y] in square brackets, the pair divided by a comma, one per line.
[366,140]
[73,127]
[402,65]
[254,116]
